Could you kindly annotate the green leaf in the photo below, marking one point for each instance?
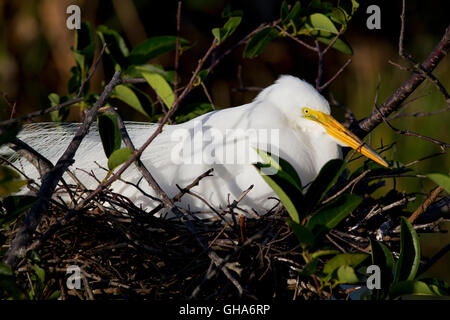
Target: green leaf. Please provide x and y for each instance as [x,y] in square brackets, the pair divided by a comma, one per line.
[55,295]
[74,83]
[382,257]
[349,7]
[40,272]
[9,132]
[5,270]
[339,15]
[191,111]
[85,45]
[54,99]
[116,47]
[441,179]
[282,195]
[136,71]
[228,28]
[334,212]
[326,178]
[200,77]
[344,259]
[346,274]
[83,51]
[319,21]
[161,87]
[8,283]
[9,181]
[61,114]
[118,157]
[284,11]
[310,268]
[284,181]
[126,94]
[320,253]
[283,168]
[291,17]
[438,286]
[259,41]
[341,44]
[409,259]
[410,287]
[216,33]
[108,128]
[304,235]
[14,206]
[153,47]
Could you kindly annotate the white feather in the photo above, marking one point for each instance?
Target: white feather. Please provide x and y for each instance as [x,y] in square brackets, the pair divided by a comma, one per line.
[303,143]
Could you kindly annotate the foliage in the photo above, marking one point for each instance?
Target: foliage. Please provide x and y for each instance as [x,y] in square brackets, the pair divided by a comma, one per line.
[319,20]
[310,220]
[313,214]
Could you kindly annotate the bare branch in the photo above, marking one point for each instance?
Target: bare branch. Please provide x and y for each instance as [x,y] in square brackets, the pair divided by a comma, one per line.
[394,102]
[49,181]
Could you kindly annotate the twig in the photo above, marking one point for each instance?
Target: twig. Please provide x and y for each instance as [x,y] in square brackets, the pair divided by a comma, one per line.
[443,145]
[348,185]
[424,206]
[17,249]
[177,50]
[11,104]
[241,42]
[40,112]
[42,164]
[419,113]
[319,66]
[331,44]
[310,47]
[396,99]
[326,84]
[91,73]
[417,66]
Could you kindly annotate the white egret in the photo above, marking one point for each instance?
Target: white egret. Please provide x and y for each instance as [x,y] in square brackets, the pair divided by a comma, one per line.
[294,118]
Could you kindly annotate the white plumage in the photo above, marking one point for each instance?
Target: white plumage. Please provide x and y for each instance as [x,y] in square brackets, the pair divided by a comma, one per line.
[281,108]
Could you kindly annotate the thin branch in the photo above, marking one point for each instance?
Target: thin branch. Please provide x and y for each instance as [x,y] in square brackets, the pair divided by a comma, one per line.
[326,84]
[319,66]
[424,206]
[310,47]
[177,49]
[241,42]
[394,102]
[417,66]
[443,145]
[77,99]
[17,249]
[91,73]
[331,44]
[40,112]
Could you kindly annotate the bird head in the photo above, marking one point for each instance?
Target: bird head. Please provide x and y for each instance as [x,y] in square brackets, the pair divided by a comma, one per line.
[309,111]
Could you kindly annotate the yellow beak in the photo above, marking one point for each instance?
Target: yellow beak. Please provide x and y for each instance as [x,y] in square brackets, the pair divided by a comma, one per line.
[338,131]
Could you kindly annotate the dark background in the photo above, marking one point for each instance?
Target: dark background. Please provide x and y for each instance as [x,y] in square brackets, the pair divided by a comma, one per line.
[35,60]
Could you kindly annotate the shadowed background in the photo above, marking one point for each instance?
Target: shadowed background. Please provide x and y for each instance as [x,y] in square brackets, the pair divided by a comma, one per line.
[35,60]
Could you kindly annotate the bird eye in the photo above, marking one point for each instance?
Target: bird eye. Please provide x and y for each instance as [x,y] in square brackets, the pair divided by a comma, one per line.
[305,110]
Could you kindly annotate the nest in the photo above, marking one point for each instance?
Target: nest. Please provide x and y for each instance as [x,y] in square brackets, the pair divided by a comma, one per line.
[126,253]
